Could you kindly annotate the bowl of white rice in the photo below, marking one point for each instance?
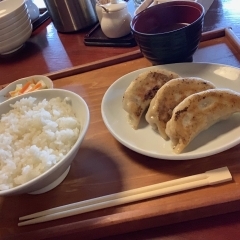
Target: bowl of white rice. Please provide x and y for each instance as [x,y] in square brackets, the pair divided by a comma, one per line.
[40,134]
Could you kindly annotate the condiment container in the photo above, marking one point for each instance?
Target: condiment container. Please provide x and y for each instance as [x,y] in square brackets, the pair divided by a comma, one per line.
[115,21]
[33,10]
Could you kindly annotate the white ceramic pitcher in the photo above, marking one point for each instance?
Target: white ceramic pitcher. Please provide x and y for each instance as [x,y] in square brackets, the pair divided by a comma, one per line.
[33,10]
[115,21]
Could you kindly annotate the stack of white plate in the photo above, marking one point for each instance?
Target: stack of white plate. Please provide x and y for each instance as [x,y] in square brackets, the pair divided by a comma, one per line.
[15,25]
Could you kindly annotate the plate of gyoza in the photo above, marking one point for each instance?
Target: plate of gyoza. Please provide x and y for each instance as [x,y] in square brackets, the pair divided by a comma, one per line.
[176,111]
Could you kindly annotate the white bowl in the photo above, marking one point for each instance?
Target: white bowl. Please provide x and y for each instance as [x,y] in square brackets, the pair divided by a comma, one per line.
[55,175]
[18,29]
[16,42]
[17,36]
[14,19]
[10,8]
[4,93]
[14,25]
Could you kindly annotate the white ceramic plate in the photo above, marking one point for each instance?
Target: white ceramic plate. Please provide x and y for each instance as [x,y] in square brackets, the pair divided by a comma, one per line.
[219,137]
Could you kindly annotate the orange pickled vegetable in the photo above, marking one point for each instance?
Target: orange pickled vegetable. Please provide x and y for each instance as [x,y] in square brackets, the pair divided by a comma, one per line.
[27,87]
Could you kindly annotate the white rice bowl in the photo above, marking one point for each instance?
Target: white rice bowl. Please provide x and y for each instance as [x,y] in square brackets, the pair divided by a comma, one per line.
[40,134]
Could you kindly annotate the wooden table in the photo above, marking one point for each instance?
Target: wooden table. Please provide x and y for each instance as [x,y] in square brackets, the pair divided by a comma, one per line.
[114,168]
[49,51]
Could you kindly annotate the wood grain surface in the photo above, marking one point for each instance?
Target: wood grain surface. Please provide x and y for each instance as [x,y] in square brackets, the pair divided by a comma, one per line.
[103,166]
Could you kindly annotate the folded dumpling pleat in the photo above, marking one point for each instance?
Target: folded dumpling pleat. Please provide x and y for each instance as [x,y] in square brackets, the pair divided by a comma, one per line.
[142,90]
[198,112]
[169,96]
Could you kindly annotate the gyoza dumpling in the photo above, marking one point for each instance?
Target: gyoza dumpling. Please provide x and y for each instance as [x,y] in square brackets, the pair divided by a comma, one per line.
[198,112]
[169,96]
[141,91]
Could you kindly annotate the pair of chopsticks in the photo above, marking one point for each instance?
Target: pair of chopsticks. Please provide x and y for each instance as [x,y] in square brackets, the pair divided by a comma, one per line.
[212,177]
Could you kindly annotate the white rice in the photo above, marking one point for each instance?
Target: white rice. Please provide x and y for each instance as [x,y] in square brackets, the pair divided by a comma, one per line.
[33,138]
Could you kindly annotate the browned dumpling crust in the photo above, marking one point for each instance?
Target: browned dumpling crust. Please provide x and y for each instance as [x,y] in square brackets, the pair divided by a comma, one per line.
[142,90]
[169,96]
[198,112]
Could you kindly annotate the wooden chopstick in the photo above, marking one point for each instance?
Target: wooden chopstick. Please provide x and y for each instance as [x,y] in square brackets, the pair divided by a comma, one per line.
[116,196]
[216,176]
